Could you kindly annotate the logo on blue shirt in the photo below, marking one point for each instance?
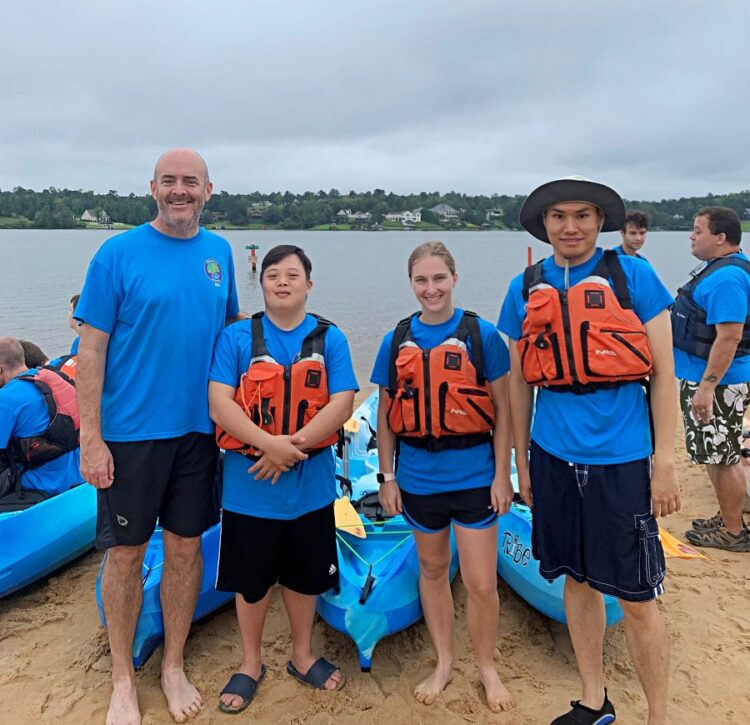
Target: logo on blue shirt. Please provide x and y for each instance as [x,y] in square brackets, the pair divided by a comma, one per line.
[213,271]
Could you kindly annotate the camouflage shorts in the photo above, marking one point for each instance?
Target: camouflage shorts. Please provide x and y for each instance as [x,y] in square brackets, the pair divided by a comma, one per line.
[719,441]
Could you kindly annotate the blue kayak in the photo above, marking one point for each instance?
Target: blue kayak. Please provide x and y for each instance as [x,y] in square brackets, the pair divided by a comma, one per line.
[378,592]
[43,537]
[520,570]
[149,631]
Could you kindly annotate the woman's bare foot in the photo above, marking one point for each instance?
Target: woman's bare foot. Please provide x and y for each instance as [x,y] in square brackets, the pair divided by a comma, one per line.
[428,690]
[183,699]
[123,705]
[498,698]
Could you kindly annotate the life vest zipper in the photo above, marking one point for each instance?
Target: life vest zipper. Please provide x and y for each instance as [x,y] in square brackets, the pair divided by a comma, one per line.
[287,399]
[427,396]
[568,337]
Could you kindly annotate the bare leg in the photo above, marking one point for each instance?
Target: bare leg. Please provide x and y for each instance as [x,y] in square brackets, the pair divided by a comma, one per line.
[183,568]
[584,610]
[729,483]
[477,551]
[251,618]
[648,645]
[300,608]
[437,602]
[122,597]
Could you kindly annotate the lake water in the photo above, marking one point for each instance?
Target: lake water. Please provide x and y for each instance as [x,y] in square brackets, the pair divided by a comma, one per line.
[360,279]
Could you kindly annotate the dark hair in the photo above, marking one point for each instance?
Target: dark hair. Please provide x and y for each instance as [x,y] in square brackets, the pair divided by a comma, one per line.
[723,221]
[74,301]
[639,219]
[281,251]
[33,355]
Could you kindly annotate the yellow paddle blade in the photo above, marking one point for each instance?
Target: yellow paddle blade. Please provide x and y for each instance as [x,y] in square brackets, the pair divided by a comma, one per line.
[351,426]
[347,518]
[674,548]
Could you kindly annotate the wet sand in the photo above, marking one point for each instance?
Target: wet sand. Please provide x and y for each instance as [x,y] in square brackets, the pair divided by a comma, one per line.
[54,661]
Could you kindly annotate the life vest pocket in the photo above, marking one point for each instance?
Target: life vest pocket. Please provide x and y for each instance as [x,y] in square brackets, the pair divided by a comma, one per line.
[541,360]
[541,308]
[464,410]
[403,412]
[615,353]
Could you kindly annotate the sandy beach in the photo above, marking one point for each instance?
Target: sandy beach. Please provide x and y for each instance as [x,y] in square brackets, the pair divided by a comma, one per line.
[54,660]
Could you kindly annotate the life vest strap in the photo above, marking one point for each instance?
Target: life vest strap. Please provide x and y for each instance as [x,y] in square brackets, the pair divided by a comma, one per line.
[433,445]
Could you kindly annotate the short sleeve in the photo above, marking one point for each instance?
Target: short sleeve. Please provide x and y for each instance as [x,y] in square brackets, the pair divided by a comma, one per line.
[513,310]
[494,351]
[379,374]
[339,368]
[99,304]
[225,366]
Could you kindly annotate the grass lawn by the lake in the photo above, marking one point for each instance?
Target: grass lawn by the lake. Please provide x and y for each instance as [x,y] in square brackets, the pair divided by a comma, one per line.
[15,222]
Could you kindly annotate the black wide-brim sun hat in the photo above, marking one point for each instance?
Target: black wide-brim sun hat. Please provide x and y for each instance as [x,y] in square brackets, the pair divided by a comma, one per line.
[572,188]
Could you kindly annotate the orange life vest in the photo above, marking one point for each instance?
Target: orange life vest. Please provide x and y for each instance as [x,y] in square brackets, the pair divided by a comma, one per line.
[584,338]
[438,398]
[68,366]
[63,432]
[282,399]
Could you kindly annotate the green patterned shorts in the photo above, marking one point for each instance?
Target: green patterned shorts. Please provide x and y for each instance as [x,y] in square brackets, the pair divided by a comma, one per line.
[719,441]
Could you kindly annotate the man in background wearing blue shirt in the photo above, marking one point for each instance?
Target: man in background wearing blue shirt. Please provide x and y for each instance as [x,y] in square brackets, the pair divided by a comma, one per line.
[153,302]
[633,232]
[712,360]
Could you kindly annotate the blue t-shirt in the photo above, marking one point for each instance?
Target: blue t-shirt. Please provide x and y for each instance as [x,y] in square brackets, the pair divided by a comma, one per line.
[610,425]
[24,413]
[311,484]
[725,296]
[423,472]
[74,346]
[163,301]
[621,251]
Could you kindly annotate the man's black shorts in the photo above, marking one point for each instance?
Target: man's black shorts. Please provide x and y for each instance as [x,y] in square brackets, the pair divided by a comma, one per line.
[300,554]
[470,507]
[173,479]
[594,523]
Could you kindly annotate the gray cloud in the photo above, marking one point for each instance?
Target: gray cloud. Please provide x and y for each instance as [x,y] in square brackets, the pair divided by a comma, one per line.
[481,96]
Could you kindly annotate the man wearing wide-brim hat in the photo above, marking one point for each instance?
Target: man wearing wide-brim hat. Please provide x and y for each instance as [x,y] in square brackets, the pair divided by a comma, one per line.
[589,329]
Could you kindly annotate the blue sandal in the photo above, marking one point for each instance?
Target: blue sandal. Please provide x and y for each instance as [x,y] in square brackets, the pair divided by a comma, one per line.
[242,686]
[317,675]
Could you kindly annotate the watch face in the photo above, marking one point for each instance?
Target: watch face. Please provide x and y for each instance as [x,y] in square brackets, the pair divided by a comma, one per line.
[380,478]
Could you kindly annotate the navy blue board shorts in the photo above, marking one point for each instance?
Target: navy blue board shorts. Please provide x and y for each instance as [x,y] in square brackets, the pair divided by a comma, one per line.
[430,513]
[594,523]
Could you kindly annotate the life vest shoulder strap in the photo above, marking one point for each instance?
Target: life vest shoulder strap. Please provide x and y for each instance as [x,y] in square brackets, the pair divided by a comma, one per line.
[314,342]
[609,267]
[400,335]
[714,266]
[468,328]
[532,276]
[45,390]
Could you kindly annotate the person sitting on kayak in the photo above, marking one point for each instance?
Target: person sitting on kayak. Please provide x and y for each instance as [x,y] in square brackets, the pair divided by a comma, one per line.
[443,408]
[281,386]
[46,454]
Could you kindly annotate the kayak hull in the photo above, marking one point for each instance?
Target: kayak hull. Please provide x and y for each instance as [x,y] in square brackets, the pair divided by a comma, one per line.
[392,603]
[149,631]
[45,536]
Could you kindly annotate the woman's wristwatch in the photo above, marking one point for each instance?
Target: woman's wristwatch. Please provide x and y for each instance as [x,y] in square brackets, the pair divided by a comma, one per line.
[385,477]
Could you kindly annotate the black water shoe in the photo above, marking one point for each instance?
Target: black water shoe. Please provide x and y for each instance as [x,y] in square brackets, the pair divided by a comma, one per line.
[582,715]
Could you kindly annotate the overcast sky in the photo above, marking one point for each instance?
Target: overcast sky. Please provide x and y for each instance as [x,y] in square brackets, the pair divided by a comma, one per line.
[478,96]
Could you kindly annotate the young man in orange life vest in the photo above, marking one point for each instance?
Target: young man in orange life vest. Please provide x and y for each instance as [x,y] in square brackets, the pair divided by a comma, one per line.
[281,386]
[585,328]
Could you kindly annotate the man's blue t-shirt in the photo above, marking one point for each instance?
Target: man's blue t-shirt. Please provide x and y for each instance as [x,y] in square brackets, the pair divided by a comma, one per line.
[423,472]
[24,413]
[74,346]
[163,301]
[312,483]
[725,296]
[610,425]
[621,251]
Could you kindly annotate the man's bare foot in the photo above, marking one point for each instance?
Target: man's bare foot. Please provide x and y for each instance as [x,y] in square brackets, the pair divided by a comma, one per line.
[183,700]
[498,698]
[123,705]
[428,690]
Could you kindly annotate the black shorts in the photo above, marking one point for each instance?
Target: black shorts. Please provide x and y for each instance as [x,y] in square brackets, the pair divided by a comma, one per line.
[173,479]
[470,507]
[594,523]
[300,554]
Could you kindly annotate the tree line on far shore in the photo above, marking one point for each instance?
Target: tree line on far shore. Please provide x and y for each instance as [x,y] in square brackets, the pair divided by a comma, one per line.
[62,209]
